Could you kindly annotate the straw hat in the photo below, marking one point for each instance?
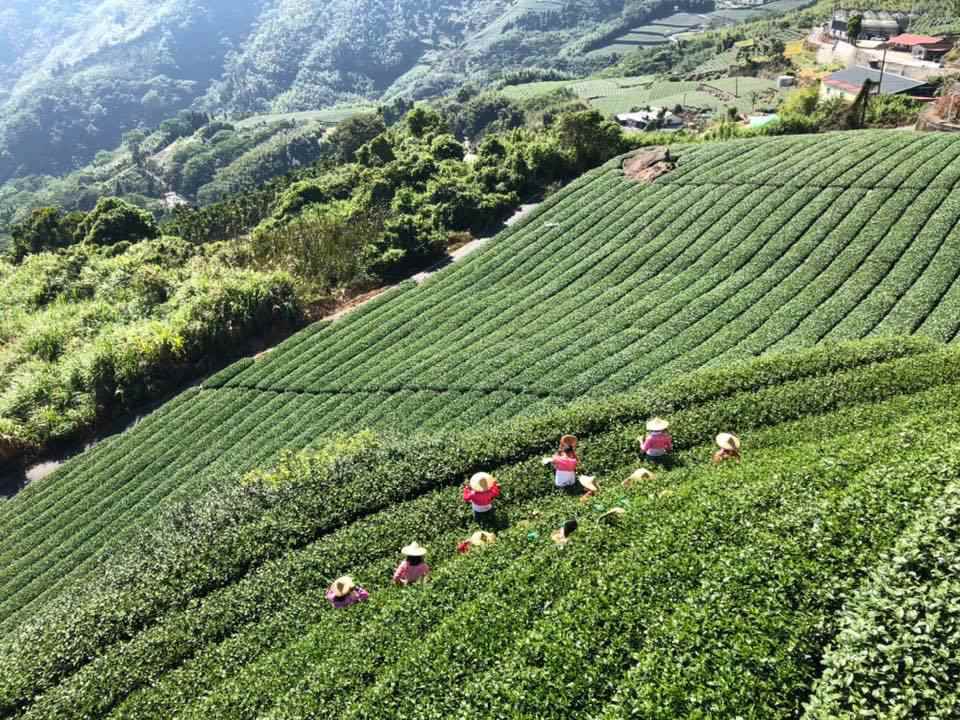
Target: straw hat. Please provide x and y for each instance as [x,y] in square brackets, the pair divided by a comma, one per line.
[482,538]
[342,586]
[640,474]
[728,441]
[481,482]
[414,549]
[588,482]
[568,440]
[612,516]
[657,424]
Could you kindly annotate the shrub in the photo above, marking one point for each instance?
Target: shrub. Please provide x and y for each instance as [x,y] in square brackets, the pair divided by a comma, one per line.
[114,220]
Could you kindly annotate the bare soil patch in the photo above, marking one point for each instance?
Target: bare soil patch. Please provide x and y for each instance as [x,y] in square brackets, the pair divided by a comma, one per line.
[647,165]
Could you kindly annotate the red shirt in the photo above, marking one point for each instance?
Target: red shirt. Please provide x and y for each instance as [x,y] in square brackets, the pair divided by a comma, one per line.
[481,498]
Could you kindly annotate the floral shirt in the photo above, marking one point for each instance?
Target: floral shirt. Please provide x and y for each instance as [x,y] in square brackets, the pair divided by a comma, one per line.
[657,444]
[351,598]
[407,574]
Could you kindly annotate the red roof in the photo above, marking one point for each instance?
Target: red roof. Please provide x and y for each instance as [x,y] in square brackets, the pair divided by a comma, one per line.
[910,40]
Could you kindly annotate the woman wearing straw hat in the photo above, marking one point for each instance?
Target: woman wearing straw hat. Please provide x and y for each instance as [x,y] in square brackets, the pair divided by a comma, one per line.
[638,475]
[658,443]
[478,539]
[589,484]
[480,492]
[344,593]
[413,567]
[729,445]
[565,463]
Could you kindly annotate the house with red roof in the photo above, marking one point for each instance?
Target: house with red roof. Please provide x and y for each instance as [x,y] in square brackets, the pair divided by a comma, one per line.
[922,47]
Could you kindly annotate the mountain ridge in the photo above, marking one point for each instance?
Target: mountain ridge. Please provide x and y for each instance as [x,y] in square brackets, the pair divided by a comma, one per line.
[74,80]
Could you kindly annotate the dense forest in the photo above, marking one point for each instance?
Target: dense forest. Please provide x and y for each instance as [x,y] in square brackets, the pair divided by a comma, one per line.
[74,77]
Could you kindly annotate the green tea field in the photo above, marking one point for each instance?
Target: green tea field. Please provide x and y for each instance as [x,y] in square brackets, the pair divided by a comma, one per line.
[803,291]
[668,29]
[612,96]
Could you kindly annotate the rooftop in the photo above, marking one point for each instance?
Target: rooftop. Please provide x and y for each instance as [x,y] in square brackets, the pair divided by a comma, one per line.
[851,80]
[911,40]
[645,115]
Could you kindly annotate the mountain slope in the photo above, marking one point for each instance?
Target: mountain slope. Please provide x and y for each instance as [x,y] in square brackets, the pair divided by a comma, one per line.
[85,76]
[716,596]
[74,77]
[747,247]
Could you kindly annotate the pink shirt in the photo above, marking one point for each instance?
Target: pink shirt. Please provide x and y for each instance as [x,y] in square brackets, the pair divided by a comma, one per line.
[408,574]
[562,462]
[658,443]
[358,595]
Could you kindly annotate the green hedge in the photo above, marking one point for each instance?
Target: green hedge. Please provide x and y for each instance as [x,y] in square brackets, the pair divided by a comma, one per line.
[896,655]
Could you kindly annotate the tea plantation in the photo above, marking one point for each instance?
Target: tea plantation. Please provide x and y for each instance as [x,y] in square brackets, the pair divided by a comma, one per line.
[179,569]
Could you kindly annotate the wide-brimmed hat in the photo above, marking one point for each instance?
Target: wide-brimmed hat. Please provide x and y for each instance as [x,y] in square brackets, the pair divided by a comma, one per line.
[612,516]
[481,537]
[343,586]
[728,441]
[640,474]
[414,549]
[588,482]
[657,424]
[481,481]
[568,440]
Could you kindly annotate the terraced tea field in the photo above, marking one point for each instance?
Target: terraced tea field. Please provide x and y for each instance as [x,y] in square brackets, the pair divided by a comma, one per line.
[716,595]
[331,116]
[590,89]
[612,96]
[117,599]
[664,30]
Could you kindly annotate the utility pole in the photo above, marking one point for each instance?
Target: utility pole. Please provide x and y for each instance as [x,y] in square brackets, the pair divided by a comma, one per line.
[883,65]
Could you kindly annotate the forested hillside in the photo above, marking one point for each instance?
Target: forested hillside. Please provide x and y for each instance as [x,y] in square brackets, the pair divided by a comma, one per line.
[75,76]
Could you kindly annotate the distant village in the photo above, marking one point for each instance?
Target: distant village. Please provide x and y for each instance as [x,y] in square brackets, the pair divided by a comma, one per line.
[882,51]
[857,46]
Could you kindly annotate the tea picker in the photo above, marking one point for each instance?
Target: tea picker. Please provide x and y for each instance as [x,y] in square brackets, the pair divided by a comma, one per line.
[658,443]
[565,462]
[413,567]
[480,492]
[478,539]
[344,592]
[729,445]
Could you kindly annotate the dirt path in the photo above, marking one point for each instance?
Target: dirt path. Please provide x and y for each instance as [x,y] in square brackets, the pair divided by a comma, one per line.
[420,277]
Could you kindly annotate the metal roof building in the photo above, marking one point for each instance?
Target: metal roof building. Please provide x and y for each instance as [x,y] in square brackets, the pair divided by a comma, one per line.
[850,80]
[877,24]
